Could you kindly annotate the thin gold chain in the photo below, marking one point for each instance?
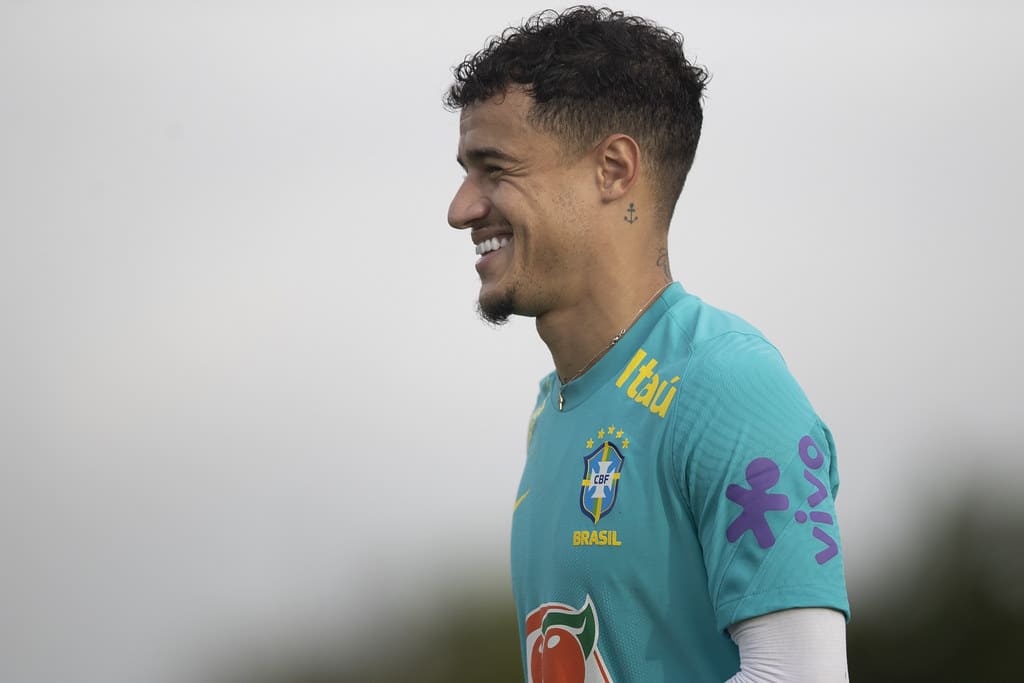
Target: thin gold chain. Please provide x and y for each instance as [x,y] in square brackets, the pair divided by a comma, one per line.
[606,349]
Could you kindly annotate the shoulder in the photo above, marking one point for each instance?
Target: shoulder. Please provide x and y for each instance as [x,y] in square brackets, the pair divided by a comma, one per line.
[726,357]
[700,324]
[737,386]
[737,398]
[700,340]
[691,333]
[741,367]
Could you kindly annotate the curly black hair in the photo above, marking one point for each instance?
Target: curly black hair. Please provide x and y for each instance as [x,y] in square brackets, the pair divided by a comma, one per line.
[593,72]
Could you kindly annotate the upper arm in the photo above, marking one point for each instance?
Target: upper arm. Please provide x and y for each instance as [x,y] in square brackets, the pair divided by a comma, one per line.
[759,475]
[790,646]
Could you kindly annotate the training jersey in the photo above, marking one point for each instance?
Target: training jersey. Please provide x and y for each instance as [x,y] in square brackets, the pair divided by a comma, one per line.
[683,485]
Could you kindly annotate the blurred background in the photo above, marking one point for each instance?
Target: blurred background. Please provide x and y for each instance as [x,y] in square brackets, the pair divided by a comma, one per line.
[252,431]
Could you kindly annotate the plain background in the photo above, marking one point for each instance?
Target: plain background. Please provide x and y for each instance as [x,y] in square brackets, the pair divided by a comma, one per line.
[244,396]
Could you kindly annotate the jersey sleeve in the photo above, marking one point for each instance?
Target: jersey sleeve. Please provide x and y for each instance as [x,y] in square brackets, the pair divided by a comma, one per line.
[757,471]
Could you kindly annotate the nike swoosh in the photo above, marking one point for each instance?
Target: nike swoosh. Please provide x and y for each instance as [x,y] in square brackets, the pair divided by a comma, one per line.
[520,500]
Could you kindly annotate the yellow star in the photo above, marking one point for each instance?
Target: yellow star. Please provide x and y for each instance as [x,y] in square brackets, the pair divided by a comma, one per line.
[625,443]
[618,434]
[590,443]
[611,430]
[600,434]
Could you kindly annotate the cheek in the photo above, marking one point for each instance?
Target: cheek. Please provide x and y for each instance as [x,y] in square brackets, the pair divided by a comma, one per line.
[550,234]
[568,227]
[507,207]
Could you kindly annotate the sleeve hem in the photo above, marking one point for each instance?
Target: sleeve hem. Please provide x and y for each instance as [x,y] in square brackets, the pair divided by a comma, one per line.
[758,604]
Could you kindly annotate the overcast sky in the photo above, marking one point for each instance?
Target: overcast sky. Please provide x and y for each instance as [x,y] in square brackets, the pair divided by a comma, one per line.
[243,390]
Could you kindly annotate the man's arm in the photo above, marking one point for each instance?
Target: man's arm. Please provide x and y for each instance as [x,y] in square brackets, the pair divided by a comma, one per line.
[791,646]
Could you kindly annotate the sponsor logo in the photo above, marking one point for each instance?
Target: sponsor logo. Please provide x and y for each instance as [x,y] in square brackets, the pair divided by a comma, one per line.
[762,474]
[647,388]
[820,494]
[561,645]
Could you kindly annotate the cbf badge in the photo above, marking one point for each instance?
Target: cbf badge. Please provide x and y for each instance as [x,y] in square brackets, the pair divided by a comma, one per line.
[602,470]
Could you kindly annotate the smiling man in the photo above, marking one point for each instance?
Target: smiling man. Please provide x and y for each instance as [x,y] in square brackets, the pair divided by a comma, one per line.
[675,518]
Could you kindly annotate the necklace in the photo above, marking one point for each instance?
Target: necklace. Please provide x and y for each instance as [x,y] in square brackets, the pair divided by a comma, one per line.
[614,340]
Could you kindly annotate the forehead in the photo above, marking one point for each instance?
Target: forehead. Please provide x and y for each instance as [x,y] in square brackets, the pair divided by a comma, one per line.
[500,122]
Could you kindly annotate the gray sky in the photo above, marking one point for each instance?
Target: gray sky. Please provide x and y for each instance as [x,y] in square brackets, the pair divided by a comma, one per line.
[244,393]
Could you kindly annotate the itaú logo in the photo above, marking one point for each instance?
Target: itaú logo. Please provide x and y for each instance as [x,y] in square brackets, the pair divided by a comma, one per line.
[647,388]
[561,642]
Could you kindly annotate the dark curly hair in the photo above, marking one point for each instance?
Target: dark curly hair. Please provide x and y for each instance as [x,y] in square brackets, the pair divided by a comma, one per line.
[593,72]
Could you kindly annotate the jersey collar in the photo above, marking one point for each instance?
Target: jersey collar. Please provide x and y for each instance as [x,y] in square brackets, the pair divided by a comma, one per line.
[575,392]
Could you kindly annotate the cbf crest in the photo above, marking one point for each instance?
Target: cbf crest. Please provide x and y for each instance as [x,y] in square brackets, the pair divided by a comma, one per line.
[602,472]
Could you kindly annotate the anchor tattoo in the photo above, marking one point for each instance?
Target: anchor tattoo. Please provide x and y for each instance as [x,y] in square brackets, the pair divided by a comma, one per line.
[631,218]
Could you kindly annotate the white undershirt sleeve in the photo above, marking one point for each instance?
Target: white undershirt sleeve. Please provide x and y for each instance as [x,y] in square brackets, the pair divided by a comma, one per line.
[792,646]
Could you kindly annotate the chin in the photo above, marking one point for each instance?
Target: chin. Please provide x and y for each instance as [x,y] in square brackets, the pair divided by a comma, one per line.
[497,307]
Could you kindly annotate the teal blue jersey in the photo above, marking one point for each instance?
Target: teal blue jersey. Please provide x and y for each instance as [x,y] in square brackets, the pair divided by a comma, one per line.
[684,484]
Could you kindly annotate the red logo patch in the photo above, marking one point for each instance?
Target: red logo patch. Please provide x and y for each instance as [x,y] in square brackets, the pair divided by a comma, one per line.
[561,643]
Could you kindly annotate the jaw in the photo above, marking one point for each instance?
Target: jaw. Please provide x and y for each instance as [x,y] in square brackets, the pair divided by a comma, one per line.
[497,302]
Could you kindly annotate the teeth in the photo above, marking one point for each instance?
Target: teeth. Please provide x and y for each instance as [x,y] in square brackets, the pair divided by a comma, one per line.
[492,244]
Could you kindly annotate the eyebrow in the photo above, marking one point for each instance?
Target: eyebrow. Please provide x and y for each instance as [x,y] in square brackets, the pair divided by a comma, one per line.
[479,154]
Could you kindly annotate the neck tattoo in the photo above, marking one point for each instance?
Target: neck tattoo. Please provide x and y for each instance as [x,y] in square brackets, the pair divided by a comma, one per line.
[614,340]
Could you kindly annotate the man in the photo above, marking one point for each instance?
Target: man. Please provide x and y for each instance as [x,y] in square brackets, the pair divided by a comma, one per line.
[675,520]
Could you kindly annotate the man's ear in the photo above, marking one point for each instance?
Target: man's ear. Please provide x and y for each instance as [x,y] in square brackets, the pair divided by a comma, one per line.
[618,166]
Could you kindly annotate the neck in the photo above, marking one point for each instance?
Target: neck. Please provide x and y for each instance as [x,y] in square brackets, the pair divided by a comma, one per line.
[580,334]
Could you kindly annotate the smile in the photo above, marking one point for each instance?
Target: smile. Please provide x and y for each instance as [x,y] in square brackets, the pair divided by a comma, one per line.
[492,244]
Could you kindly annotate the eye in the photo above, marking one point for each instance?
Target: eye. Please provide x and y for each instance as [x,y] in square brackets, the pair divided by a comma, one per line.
[491,169]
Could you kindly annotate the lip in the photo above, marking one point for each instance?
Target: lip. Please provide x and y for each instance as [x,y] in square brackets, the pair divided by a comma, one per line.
[485,261]
[481,234]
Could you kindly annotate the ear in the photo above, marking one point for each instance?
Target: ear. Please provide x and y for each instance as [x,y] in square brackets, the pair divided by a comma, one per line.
[618,166]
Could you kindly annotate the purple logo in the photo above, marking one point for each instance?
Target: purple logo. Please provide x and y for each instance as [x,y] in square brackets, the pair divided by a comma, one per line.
[815,462]
[762,474]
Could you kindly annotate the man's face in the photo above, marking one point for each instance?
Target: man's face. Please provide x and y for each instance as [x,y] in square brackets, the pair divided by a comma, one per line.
[523,202]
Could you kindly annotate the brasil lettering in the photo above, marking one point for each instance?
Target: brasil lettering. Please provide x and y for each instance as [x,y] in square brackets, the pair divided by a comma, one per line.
[596,538]
[652,395]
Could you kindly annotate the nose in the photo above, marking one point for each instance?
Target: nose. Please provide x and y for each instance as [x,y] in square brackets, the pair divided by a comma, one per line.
[468,206]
